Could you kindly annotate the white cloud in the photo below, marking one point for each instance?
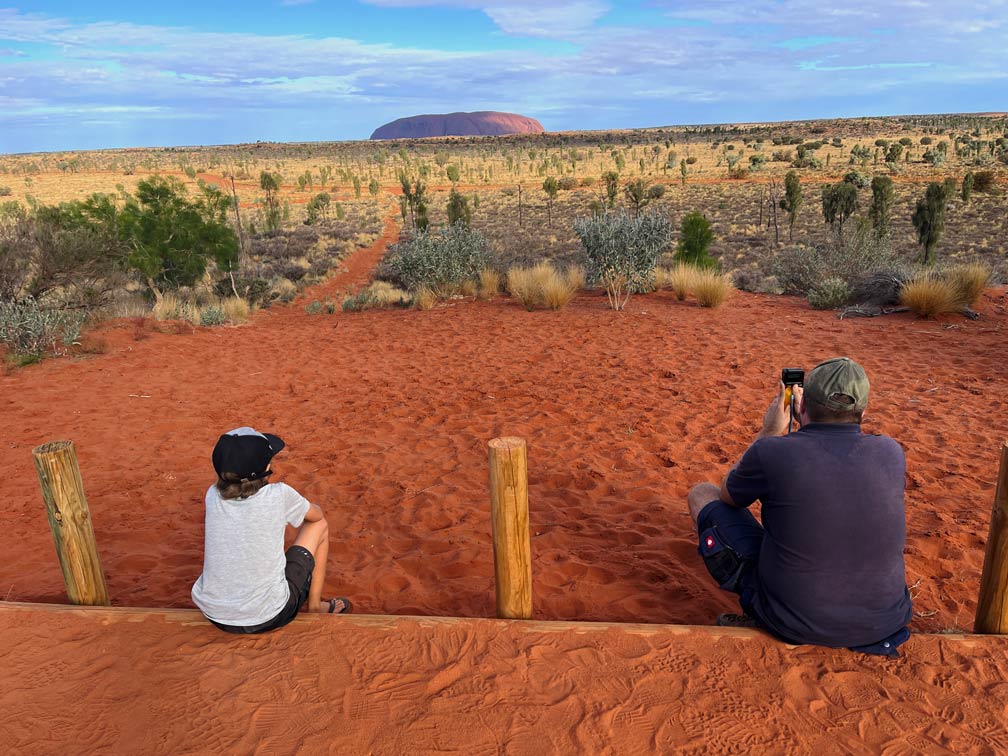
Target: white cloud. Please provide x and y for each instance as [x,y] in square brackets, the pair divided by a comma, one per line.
[533,18]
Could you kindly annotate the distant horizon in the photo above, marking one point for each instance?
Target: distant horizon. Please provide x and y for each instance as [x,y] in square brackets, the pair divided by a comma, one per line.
[108,75]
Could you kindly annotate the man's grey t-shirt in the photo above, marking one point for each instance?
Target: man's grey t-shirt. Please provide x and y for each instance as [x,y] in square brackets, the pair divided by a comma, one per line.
[243,580]
[831,567]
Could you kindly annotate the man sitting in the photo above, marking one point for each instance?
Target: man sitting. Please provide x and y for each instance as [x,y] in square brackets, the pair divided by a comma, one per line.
[826,565]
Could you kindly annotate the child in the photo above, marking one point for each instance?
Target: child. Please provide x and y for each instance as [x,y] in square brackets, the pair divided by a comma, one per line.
[246,586]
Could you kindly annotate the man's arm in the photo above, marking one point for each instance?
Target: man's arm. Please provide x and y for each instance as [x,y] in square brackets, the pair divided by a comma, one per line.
[314,513]
[776,422]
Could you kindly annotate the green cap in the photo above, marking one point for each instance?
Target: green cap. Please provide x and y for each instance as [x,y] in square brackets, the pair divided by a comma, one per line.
[839,384]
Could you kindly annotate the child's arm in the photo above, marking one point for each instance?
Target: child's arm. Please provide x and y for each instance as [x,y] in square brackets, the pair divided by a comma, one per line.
[314,513]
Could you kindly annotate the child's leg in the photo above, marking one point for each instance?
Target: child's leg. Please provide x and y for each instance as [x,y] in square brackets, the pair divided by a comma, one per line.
[314,536]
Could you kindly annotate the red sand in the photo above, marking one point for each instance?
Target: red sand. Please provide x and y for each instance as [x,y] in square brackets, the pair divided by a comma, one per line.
[387,415]
[115,681]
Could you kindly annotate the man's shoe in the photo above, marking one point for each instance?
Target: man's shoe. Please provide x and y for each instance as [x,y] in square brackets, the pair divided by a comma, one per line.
[736,620]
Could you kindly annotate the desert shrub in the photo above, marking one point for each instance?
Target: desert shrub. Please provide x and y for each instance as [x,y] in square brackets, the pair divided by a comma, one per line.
[458,209]
[282,290]
[172,307]
[424,298]
[968,281]
[489,282]
[5,191]
[543,286]
[253,291]
[829,294]
[859,252]
[576,277]
[858,179]
[314,307]
[983,181]
[212,315]
[236,310]
[567,183]
[711,287]
[620,252]
[378,294]
[694,239]
[30,329]
[440,261]
[929,294]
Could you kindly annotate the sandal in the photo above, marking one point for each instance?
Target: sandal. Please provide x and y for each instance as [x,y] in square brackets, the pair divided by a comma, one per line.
[347,606]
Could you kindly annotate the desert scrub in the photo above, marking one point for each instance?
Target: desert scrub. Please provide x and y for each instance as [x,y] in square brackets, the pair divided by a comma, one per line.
[930,294]
[171,307]
[32,330]
[441,261]
[378,294]
[544,286]
[489,283]
[712,288]
[680,278]
[859,253]
[212,315]
[621,252]
[830,294]
[968,281]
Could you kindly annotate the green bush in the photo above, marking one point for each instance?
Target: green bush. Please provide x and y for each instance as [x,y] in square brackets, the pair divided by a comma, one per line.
[439,261]
[29,329]
[212,316]
[314,307]
[695,237]
[621,252]
[860,252]
[829,294]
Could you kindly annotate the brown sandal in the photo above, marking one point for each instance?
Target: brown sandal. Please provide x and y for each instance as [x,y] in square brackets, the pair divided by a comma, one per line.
[347,606]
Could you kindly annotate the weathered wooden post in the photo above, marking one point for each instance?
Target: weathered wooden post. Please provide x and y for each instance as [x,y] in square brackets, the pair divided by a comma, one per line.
[70,522]
[992,606]
[509,514]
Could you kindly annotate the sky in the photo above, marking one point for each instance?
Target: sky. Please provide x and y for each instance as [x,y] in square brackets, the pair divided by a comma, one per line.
[98,74]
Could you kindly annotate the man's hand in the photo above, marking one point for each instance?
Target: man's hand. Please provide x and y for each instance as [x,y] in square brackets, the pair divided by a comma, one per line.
[777,418]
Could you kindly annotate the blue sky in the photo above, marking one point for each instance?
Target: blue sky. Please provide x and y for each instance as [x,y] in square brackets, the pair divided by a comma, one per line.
[76,75]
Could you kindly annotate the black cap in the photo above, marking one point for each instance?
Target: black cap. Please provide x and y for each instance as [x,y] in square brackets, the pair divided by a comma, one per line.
[245,452]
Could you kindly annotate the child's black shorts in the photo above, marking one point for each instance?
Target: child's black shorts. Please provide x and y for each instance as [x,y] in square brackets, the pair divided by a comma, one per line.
[300,564]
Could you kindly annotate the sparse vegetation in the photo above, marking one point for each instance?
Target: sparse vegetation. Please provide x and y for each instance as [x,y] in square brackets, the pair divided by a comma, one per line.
[543,286]
[441,261]
[929,295]
[712,288]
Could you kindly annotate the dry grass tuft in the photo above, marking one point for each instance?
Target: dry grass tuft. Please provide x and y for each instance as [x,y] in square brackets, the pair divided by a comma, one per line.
[712,289]
[424,298]
[385,294]
[236,309]
[544,286]
[930,295]
[968,281]
[576,277]
[682,279]
[490,283]
[171,307]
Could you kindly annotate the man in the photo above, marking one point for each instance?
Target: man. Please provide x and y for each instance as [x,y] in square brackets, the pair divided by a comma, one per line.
[826,565]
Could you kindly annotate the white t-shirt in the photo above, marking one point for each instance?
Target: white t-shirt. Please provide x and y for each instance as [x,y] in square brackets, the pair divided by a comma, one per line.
[243,580]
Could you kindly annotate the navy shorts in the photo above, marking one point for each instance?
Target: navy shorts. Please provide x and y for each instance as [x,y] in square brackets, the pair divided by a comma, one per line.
[730,541]
[300,565]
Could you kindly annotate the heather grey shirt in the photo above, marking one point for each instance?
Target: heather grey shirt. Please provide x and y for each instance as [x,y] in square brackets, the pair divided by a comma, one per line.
[243,580]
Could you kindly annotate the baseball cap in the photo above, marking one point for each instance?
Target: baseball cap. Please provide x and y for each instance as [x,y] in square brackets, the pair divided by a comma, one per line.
[245,452]
[839,384]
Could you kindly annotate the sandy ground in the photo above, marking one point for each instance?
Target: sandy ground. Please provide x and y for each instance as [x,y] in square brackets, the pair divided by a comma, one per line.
[117,681]
[387,415]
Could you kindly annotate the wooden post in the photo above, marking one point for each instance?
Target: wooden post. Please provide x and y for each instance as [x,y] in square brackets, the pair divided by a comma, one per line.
[992,606]
[70,522]
[509,515]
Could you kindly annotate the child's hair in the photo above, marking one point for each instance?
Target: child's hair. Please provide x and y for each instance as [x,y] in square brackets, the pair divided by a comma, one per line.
[231,486]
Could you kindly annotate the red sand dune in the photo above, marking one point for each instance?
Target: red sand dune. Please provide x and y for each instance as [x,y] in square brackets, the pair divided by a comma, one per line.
[387,415]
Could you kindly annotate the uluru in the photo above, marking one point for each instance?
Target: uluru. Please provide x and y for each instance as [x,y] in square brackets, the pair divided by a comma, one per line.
[483,123]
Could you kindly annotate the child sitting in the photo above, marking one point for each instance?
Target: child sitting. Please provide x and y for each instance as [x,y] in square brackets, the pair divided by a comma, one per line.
[246,585]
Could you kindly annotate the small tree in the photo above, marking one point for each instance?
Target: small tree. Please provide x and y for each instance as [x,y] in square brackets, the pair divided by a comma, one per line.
[611,179]
[270,184]
[172,239]
[882,202]
[839,201]
[458,209]
[453,173]
[929,219]
[551,187]
[414,202]
[373,187]
[639,194]
[791,200]
[967,187]
[695,237]
[682,171]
